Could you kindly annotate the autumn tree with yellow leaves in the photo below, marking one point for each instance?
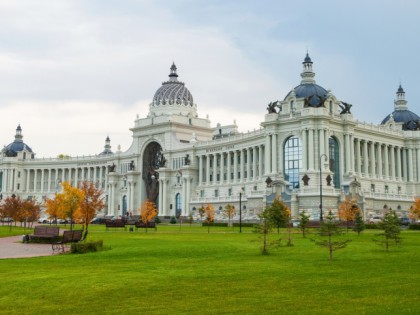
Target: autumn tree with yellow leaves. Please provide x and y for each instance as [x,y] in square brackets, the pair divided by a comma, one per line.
[71,200]
[415,210]
[229,212]
[54,207]
[209,212]
[347,210]
[148,212]
[92,203]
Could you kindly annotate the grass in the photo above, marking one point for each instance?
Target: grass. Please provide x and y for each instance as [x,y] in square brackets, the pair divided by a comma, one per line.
[188,271]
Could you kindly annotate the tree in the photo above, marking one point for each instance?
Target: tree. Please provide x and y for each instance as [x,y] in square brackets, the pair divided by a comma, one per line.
[391,226]
[278,213]
[347,210]
[229,212]
[54,207]
[264,228]
[31,211]
[209,211]
[72,198]
[303,222]
[359,224]
[10,209]
[92,203]
[148,212]
[201,213]
[329,228]
[415,210]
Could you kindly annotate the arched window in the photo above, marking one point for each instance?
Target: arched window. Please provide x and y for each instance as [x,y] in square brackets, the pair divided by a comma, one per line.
[178,205]
[292,160]
[335,161]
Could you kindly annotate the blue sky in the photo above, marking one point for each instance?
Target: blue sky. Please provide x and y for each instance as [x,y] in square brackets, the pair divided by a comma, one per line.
[73,72]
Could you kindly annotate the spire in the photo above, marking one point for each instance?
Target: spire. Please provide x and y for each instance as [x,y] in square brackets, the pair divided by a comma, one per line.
[400,102]
[173,76]
[107,147]
[18,136]
[307,74]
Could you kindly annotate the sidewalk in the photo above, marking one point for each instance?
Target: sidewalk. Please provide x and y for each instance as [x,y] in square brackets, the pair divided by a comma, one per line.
[12,247]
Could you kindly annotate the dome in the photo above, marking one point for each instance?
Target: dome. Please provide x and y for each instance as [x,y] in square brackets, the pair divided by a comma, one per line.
[401,114]
[173,92]
[313,94]
[16,146]
[406,117]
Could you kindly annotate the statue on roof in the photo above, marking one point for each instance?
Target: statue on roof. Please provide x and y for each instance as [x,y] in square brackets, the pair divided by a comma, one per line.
[271,108]
[345,108]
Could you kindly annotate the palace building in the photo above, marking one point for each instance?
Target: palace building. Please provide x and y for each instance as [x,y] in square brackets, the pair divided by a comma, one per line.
[310,151]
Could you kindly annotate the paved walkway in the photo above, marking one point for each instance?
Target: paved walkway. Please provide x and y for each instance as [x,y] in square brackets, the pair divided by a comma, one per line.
[12,247]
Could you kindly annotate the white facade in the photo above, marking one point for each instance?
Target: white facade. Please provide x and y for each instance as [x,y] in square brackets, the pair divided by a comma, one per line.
[308,134]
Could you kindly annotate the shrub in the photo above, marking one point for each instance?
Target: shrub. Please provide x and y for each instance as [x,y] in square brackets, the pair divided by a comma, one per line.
[214,224]
[414,226]
[372,226]
[157,220]
[172,220]
[247,224]
[86,247]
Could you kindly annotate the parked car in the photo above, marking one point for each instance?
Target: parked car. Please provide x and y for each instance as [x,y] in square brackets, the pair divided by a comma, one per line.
[375,219]
[44,220]
[405,221]
[6,219]
[295,223]
[98,221]
[59,221]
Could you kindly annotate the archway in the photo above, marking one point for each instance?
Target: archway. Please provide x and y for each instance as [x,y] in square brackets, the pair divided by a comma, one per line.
[153,159]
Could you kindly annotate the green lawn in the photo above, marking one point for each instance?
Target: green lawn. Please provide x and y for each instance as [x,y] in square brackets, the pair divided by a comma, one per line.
[188,271]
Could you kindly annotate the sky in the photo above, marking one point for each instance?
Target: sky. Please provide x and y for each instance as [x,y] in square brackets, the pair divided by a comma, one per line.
[74,72]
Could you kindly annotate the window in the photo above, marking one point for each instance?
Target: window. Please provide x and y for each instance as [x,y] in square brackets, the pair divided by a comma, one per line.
[334,155]
[178,205]
[399,189]
[386,189]
[202,193]
[230,192]
[372,187]
[292,160]
[216,193]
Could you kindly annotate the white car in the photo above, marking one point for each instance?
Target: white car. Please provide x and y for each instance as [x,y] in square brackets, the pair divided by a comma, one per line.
[375,219]
[44,220]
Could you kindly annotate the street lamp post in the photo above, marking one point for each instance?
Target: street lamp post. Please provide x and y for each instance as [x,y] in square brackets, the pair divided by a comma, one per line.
[320,185]
[240,209]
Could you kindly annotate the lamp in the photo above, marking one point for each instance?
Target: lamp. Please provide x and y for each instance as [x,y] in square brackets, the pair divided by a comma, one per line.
[320,185]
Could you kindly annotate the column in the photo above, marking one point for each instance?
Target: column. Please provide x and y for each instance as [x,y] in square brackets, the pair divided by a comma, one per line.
[200,170]
[164,197]
[229,167]
[260,161]
[418,164]
[222,167]
[410,165]
[304,150]
[214,169]
[160,196]
[188,197]
[311,154]
[274,154]
[248,164]
[35,179]
[365,159]
[242,166]
[379,160]
[404,163]
[28,177]
[399,163]
[267,152]
[386,152]
[393,163]
[254,163]
[347,150]
[358,158]
[372,160]
[235,166]
[208,169]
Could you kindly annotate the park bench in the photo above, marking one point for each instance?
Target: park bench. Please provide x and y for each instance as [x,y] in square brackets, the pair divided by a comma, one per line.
[67,238]
[114,224]
[41,232]
[148,225]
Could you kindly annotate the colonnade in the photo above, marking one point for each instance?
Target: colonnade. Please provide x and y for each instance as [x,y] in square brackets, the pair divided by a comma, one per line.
[42,180]
[232,166]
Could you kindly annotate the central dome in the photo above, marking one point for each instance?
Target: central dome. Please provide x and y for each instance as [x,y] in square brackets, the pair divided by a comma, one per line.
[173,92]
[313,94]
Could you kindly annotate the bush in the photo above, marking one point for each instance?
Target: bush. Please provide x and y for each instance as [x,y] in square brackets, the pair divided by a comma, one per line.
[414,226]
[86,247]
[157,220]
[372,226]
[215,224]
[172,220]
[247,224]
